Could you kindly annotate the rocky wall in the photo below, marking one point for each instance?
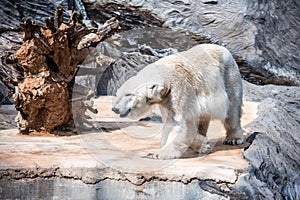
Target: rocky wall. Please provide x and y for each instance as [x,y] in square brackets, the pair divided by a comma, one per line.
[263,36]
[273,153]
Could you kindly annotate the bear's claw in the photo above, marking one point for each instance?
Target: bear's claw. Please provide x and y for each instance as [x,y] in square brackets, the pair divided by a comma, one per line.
[162,156]
[233,141]
[152,155]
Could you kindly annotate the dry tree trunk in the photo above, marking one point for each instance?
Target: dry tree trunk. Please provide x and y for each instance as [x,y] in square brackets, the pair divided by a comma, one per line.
[49,57]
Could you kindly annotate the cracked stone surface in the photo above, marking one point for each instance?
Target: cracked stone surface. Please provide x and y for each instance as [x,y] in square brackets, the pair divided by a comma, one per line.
[115,157]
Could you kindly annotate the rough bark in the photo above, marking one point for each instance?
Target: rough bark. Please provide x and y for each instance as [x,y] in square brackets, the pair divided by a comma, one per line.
[49,57]
[11,13]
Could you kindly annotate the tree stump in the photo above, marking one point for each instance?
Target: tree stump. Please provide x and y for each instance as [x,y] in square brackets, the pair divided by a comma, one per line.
[49,57]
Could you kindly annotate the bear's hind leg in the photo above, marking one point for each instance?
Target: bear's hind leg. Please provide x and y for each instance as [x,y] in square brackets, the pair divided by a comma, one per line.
[201,143]
[234,131]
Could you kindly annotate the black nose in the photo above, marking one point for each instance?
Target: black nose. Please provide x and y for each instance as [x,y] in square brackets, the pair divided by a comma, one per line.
[116,110]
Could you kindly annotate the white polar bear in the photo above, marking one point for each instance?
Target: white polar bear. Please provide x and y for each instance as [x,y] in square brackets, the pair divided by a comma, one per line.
[191,88]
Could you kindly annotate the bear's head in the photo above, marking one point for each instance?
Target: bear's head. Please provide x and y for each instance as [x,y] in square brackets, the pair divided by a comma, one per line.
[133,102]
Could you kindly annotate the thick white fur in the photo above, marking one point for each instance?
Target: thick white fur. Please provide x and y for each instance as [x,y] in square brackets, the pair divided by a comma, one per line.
[191,87]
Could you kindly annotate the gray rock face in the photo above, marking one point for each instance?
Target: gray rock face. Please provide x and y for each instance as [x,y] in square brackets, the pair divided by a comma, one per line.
[263,36]
[9,72]
[12,12]
[274,153]
[112,62]
[4,94]
[277,37]
[125,66]
[7,117]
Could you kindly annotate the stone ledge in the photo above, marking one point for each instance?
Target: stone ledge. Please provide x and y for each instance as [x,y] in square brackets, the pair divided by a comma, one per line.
[115,157]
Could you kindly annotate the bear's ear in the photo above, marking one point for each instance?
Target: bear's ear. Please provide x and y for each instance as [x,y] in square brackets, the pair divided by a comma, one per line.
[156,92]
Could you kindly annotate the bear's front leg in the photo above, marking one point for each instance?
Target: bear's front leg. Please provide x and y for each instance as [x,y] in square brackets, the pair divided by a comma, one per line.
[176,140]
[167,128]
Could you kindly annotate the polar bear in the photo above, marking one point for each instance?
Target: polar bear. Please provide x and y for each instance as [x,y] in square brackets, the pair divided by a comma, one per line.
[191,88]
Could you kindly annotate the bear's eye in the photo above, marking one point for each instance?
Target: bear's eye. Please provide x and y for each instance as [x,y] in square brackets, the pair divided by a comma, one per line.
[127,95]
